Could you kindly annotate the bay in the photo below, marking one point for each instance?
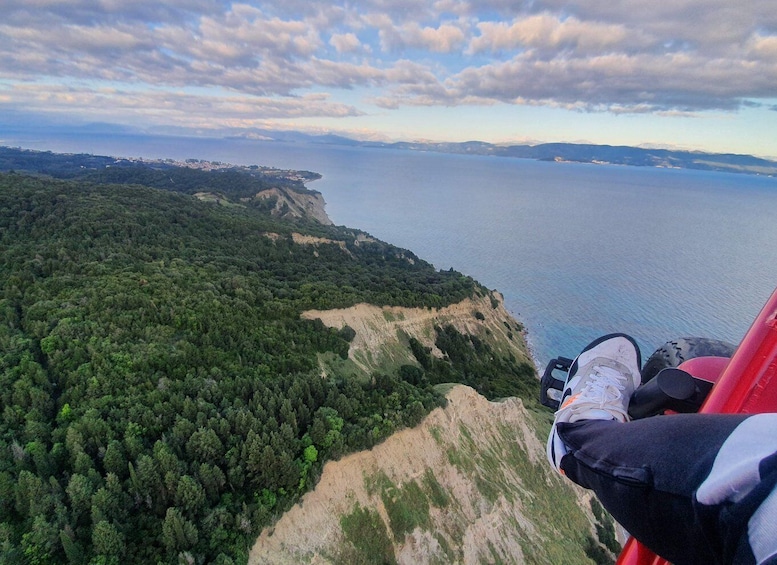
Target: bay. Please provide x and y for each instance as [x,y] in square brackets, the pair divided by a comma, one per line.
[577,250]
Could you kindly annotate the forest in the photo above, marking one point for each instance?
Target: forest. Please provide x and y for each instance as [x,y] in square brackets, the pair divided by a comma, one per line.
[233,181]
[160,396]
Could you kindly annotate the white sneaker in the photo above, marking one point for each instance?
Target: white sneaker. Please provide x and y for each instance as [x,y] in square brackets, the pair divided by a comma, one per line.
[599,386]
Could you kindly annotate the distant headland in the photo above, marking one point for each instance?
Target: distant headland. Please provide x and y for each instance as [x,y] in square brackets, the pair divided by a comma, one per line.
[563,152]
[554,152]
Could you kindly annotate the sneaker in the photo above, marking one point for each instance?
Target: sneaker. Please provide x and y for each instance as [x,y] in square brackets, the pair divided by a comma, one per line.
[599,385]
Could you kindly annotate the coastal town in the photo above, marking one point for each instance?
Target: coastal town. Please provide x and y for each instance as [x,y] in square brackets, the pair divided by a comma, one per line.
[204,165]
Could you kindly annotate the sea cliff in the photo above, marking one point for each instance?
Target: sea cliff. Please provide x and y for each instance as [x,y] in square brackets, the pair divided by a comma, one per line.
[470,484]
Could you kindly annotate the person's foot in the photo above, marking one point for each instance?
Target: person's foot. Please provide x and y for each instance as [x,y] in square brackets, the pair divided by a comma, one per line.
[599,385]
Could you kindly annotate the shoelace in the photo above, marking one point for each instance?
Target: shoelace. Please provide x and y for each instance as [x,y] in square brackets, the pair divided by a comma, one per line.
[605,390]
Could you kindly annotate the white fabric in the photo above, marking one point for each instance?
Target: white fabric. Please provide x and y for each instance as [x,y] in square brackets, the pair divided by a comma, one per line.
[762,529]
[735,470]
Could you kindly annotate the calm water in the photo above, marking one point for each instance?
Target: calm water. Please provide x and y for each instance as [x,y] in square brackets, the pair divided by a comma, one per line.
[577,250]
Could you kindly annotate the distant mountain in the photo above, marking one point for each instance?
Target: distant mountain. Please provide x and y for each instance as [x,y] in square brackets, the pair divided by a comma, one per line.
[559,152]
[603,154]
[298,137]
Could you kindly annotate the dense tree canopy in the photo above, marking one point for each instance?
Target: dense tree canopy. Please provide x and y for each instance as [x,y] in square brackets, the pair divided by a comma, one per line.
[232,180]
[160,396]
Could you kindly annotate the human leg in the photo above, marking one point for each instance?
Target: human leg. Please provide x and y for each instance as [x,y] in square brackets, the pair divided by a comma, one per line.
[646,473]
[695,488]
[599,384]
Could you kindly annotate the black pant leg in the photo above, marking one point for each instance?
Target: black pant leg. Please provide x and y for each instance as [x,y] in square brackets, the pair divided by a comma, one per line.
[645,473]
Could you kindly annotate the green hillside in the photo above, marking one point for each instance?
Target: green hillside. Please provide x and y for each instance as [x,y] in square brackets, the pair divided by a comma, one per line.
[160,397]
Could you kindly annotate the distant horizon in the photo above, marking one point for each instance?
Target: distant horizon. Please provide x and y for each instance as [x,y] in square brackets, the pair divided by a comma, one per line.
[108,129]
[693,75]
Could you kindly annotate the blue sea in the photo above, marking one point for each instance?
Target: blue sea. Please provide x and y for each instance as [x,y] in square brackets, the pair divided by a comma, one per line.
[577,250]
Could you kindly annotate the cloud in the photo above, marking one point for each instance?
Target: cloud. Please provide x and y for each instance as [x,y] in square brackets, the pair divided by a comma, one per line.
[610,82]
[547,31]
[172,108]
[100,40]
[255,35]
[345,42]
[49,13]
[445,38]
[764,47]
[673,58]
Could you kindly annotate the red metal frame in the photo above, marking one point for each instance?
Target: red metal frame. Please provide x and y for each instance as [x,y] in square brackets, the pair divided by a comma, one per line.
[746,384]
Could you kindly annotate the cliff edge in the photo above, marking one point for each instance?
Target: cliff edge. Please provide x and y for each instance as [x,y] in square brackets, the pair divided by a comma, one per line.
[468,485]
[296,204]
[382,332]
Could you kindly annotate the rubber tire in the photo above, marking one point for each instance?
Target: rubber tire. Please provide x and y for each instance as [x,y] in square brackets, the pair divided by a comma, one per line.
[674,352]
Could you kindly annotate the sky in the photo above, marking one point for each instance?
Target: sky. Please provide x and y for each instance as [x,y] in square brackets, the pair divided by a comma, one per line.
[691,74]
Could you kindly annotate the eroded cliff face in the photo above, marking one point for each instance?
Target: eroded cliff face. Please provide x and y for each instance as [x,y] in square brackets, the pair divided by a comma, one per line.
[297,204]
[468,485]
[382,332]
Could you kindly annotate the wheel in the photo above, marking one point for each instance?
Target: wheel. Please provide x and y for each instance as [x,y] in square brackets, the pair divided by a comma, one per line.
[674,352]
